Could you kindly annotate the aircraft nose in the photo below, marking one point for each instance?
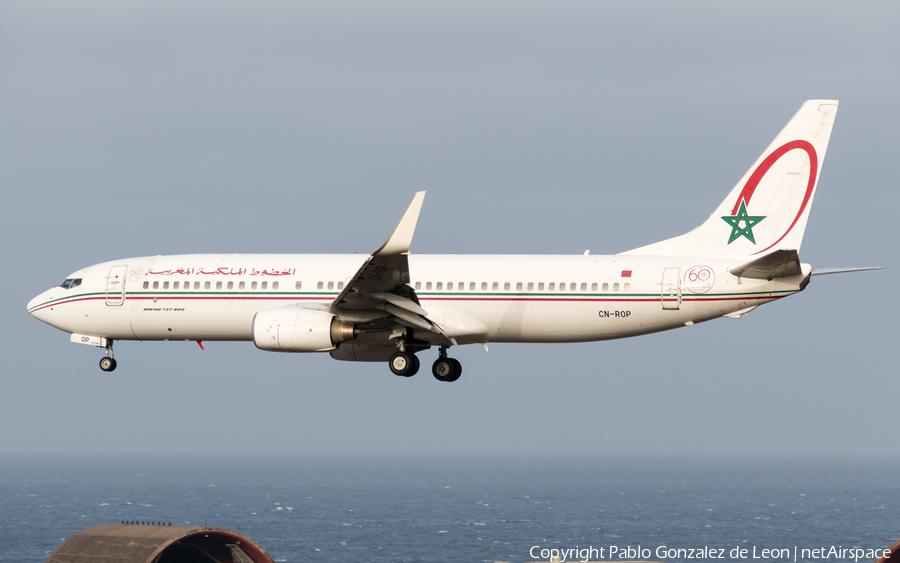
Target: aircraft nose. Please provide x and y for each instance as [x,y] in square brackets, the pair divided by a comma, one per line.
[37,307]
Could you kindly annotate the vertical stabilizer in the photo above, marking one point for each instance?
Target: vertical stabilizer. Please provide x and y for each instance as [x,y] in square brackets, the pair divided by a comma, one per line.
[768,209]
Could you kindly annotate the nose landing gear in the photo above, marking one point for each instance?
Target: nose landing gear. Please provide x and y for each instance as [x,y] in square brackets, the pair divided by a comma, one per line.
[108,362]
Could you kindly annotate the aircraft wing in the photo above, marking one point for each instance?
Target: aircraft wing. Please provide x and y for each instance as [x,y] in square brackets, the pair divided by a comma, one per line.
[380,289]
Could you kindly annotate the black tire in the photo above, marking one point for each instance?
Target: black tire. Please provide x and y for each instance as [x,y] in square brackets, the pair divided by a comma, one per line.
[107,364]
[441,369]
[456,370]
[446,369]
[404,364]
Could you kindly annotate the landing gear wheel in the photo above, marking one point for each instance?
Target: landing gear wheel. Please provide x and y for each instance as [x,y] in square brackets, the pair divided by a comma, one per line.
[404,364]
[446,369]
[107,364]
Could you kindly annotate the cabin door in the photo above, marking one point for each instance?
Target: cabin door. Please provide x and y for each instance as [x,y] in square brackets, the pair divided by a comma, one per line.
[115,286]
[671,288]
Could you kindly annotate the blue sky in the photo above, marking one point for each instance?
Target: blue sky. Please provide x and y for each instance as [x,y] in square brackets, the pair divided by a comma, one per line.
[158,128]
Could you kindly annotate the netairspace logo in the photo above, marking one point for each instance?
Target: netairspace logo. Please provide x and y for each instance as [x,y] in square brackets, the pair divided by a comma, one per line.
[663,552]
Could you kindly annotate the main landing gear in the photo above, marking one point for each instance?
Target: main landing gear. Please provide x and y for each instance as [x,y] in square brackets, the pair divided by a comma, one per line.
[446,369]
[108,362]
[406,364]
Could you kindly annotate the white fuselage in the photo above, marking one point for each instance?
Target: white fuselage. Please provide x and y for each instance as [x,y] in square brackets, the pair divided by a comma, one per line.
[517,298]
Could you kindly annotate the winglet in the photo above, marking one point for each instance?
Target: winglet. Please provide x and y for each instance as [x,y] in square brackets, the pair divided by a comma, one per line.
[401,236]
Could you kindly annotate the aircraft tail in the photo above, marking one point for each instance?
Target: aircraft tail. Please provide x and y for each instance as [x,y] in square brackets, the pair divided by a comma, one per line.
[768,209]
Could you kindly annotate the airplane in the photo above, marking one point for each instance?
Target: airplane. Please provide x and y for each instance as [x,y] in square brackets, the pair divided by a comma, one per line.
[391,305]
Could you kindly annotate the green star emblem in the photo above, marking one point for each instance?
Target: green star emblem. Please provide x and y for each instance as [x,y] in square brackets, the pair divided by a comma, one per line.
[735,222]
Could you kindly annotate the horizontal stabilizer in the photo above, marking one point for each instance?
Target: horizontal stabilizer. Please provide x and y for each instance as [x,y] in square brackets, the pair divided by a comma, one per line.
[778,264]
[826,271]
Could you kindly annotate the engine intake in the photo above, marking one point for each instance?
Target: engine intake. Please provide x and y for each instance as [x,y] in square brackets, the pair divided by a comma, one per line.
[292,329]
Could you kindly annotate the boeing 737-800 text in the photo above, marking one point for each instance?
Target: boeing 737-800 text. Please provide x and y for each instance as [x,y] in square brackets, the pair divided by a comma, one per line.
[391,305]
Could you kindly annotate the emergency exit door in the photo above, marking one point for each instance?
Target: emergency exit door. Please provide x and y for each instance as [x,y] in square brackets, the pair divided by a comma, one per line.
[671,288]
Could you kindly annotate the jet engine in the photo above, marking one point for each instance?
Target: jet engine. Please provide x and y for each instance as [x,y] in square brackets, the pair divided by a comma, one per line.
[292,329]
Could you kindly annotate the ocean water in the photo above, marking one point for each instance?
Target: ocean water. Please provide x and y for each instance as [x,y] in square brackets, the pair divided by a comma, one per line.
[466,509]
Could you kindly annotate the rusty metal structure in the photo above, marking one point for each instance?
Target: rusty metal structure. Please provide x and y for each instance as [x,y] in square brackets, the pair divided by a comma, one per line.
[895,554]
[145,542]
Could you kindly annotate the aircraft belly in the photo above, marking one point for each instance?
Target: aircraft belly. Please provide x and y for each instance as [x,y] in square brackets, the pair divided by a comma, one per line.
[559,321]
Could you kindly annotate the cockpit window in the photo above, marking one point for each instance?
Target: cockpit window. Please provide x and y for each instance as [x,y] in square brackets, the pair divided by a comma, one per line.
[70,283]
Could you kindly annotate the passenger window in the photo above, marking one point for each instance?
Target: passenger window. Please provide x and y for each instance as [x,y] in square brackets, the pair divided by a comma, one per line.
[253,285]
[615,287]
[264,285]
[449,286]
[605,287]
[241,285]
[471,286]
[146,285]
[331,285]
[551,286]
[506,286]
[562,286]
[583,286]
[418,286]
[518,286]
[165,285]
[231,285]
[340,285]
[594,286]
[196,285]
[427,286]
[156,285]
[206,285]
[530,286]
[320,285]
[175,285]
[218,285]
[297,285]
[483,286]
[572,286]
[461,286]
[627,287]
[275,285]
[439,285]
[541,286]
[495,286]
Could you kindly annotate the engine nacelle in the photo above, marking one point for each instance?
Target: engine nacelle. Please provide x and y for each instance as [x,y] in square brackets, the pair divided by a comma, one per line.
[292,329]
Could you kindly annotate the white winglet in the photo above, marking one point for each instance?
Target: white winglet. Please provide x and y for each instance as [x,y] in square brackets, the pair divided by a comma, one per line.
[401,236]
